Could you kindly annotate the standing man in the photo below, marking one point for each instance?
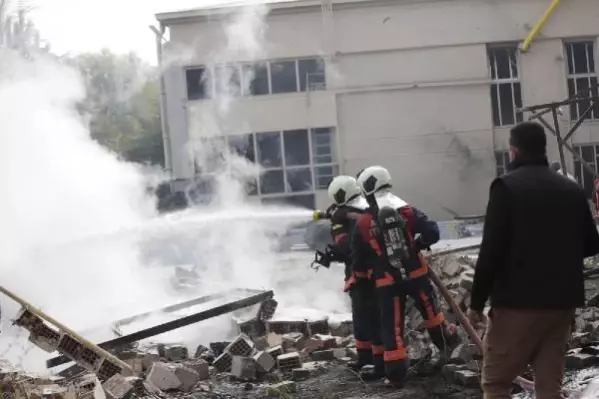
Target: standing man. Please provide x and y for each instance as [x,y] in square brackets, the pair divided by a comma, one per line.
[538,229]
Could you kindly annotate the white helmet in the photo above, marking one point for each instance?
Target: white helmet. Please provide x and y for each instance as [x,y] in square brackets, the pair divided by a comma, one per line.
[343,189]
[373,178]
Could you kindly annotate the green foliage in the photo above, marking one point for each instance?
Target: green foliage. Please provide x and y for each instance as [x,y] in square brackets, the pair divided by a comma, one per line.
[122,104]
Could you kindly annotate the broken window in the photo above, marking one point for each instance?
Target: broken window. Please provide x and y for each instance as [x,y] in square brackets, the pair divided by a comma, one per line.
[589,153]
[311,74]
[506,97]
[299,180]
[255,79]
[297,147]
[272,182]
[502,159]
[269,149]
[227,80]
[582,77]
[283,76]
[197,83]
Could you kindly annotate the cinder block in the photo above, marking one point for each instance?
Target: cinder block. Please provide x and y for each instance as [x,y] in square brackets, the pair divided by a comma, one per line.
[252,328]
[328,341]
[223,362]
[117,387]
[312,344]
[201,349]
[293,339]
[318,327]
[174,353]
[289,361]
[339,353]
[218,347]
[300,374]
[244,368]
[324,355]
[267,309]
[275,351]
[264,361]
[241,346]
[163,377]
[261,343]
[200,366]
[187,376]
[342,329]
[284,327]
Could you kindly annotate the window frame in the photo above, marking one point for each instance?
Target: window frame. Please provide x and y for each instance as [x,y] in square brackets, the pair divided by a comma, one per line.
[573,77]
[496,82]
[505,158]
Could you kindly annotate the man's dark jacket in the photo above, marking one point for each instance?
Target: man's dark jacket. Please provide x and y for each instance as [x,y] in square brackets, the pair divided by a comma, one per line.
[538,229]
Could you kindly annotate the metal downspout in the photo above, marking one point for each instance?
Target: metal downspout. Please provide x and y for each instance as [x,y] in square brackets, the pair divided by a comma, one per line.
[524,46]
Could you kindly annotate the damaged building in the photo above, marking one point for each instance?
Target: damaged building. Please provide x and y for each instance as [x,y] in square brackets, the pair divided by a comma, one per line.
[429,89]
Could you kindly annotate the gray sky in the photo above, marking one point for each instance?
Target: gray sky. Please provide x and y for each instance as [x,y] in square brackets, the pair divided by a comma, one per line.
[89,25]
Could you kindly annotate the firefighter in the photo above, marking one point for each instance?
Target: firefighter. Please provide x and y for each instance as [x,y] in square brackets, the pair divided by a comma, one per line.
[348,204]
[394,283]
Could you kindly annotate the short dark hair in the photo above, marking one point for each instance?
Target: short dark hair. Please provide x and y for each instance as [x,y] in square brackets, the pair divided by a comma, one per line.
[529,139]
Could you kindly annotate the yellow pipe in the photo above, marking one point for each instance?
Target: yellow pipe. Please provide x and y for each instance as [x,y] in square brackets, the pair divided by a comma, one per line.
[64,328]
[535,29]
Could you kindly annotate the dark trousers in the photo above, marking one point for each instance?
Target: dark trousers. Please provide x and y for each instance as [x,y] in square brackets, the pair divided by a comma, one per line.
[425,298]
[366,322]
[518,337]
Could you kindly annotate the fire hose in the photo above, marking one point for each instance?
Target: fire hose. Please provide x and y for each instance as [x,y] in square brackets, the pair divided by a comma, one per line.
[522,382]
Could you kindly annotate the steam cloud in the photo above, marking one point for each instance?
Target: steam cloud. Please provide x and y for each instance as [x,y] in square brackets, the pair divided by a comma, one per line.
[79,234]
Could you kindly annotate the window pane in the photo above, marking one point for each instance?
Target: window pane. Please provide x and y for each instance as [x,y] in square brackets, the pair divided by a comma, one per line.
[227,80]
[507,104]
[513,62]
[243,145]
[580,57]
[495,105]
[299,180]
[591,56]
[255,79]
[518,101]
[283,77]
[582,85]
[272,182]
[595,93]
[587,153]
[269,149]
[297,149]
[196,83]
[323,176]
[572,92]
[311,74]
[323,143]
[491,59]
[502,58]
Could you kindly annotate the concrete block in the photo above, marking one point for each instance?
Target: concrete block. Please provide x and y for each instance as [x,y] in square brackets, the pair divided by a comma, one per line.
[241,346]
[200,366]
[223,362]
[244,368]
[174,353]
[267,309]
[187,376]
[325,355]
[300,374]
[339,353]
[282,389]
[274,339]
[252,328]
[275,351]
[264,361]
[312,344]
[117,387]
[452,268]
[328,341]
[289,361]
[218,347]
[284,327]
[294,339]
[163,377]
[466,281]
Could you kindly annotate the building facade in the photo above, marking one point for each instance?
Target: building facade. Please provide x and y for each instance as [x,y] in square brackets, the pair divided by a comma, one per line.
[427,88]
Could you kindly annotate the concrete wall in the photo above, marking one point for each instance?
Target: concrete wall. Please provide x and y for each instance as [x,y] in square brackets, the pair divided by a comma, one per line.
[407,87]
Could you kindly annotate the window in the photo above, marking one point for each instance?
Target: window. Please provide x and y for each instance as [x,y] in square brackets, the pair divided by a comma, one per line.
[590,153]
[311,74]
[283,76]
[582,77]
[294,162]
[502,159]
[197,87]
[269,77]
[506,97]
[255,80]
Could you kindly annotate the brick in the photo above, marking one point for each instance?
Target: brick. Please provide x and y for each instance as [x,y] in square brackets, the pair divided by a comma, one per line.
[244,368]
[328,341]
[264,361]
[117,387]
[200,366]
[289,361]
[223,362]
[312,344]
[282,389]
[324,355]
[284,327]
[241,346]
[300,374]
[163,377]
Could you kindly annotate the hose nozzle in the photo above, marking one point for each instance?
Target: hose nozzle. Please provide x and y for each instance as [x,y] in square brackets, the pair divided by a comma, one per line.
[319,215]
